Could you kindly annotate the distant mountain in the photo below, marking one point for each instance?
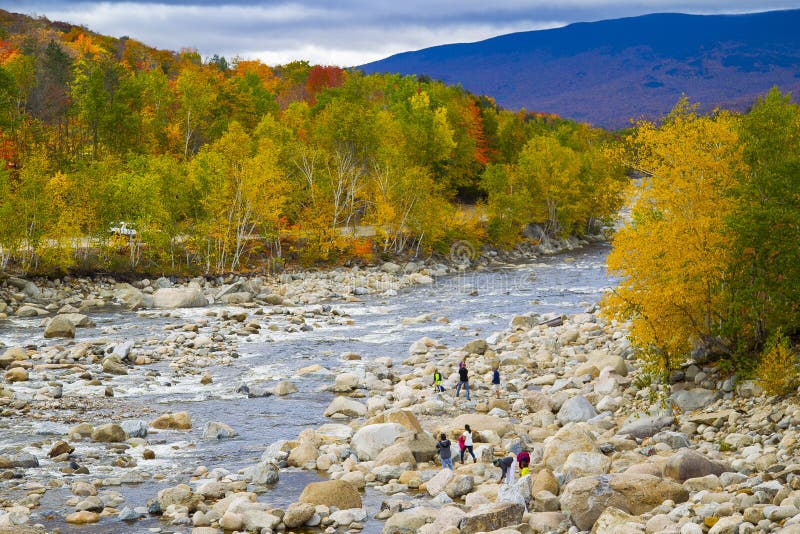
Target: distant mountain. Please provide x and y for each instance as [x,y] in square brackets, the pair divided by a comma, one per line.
[608,72]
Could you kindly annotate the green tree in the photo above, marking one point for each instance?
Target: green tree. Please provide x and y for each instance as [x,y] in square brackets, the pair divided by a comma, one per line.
[764,283]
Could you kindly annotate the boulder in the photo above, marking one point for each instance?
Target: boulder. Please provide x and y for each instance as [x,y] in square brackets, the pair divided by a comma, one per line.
[459,486]
[536,401]
[218,430]
[259,520]
[687,463]
[134,428]
[30,311]
[78,319]
[584,499]
[583,464]
[396,454]
[132,298]
[28,288]
[569,439]
[59,327]
[476,346]
[598,362]
[346,406]
[59,448]
[122,350]
[644,426]
[298,513]
[338,493]
[545,481]
[422,446]
[542,522]
[11,355]
[109,433]
[284,387]
[693,399]
[405,418]
[346,382]
[83,517]
[492,517]
[302,455]
[180,495]
[439,481]
[370,440]
[263,473]
[675,440]
[24,460]
[174,421]
[407,522]
[240,297]
[478,423]
[16,374]
[576,410]
[113,365]
[169,298]
[615,521]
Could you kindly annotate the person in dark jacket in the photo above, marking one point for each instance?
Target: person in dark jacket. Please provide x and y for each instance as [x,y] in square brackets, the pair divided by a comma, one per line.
[446,455]
[504,464]
[496,382]
[463,380]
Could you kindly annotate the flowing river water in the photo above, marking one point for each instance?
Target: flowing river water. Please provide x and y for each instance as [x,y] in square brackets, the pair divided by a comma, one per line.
[565,283]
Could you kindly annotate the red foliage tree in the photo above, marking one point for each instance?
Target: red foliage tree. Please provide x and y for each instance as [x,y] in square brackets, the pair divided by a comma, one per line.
[320,78]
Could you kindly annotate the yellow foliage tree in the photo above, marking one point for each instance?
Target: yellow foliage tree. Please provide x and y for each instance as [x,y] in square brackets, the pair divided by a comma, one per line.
[246,192]
[673,253]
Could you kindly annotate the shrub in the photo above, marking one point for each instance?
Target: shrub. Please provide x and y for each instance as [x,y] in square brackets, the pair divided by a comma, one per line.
[778,370]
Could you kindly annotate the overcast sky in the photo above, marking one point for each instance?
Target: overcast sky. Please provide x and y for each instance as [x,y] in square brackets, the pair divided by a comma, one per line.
[344,32]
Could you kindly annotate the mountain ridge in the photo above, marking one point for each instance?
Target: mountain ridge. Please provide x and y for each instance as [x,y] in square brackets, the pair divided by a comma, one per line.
[610,71]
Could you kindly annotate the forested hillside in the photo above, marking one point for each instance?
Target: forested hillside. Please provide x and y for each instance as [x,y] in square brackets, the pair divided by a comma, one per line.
[611,71]
[223,164]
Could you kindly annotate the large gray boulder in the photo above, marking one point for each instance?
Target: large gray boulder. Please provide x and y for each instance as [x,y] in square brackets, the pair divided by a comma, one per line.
[644,426]
[492,517]
[346,406]
[78,319]
[59,327]
[687,463]
[370,440]
[132,298]
[576,410]
[169,298]
[693,399]
[585,498]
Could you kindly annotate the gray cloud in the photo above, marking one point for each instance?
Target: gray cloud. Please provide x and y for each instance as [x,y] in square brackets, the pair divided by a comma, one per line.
[345,32]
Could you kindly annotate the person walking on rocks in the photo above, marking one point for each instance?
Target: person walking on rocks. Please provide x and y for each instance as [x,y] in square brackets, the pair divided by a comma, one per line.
[496,381]
[446,455]
[463,380]
[437,381]
[467,435]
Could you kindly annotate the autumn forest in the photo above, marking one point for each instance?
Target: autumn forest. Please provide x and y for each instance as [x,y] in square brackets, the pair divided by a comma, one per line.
[232,165]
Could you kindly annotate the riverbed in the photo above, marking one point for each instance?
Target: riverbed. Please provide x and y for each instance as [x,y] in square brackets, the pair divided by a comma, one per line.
[453,310]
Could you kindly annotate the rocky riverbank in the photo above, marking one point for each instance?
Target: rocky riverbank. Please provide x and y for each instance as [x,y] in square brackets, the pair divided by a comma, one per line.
[610,454]
[610,451]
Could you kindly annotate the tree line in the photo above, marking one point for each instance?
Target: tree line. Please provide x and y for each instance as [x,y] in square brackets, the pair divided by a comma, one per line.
[710,259]
[219,164]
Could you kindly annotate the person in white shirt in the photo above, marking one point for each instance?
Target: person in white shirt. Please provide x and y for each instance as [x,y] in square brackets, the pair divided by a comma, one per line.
[468,444]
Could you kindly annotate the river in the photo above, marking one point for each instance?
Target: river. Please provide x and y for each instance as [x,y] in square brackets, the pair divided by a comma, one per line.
[475,304]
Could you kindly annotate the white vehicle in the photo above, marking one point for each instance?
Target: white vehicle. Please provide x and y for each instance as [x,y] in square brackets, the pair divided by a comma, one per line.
[123,228]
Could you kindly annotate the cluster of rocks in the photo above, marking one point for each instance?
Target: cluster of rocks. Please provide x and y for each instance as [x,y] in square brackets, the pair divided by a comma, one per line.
[610,452]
